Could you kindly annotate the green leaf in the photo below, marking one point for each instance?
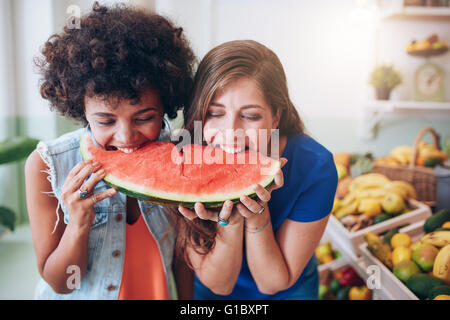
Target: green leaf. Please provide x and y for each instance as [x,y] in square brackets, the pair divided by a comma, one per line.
[7,218]
[16,148]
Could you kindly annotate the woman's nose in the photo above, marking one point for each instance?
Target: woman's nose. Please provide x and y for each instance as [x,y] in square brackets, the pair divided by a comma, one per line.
[234,134]
[125,135]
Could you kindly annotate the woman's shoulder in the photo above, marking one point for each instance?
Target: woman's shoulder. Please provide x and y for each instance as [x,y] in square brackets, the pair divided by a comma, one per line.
[64,143]
[306,150]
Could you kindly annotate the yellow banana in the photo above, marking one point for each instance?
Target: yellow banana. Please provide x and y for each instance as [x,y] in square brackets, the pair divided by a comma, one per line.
[403,149]
[375,193]
[407,187]
[437,238]
[370,207]
[368,180]
[441,267]
[402,154]
[379,249]
[351,208]
[391,188]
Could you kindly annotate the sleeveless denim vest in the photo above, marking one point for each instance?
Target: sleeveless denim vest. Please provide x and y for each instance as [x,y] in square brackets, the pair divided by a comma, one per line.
[107,234]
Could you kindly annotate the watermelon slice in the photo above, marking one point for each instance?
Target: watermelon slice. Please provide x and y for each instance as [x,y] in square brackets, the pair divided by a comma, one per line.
[160,173]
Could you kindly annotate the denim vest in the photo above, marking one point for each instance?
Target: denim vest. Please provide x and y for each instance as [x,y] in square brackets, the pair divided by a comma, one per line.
[107,234]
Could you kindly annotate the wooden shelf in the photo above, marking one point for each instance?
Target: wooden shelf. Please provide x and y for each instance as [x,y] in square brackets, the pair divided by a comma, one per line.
[374,111]
[414,12]
[390,105]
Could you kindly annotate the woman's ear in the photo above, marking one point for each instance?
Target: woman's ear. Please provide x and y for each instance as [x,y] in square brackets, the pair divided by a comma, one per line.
[276,119]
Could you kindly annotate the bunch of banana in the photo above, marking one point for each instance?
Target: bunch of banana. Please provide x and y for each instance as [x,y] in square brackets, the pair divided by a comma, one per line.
[438,239]
[344,209]
[429,151]
[368,181]
[441,267]
[403,154]
[379,248]
[374,187]
[405,189]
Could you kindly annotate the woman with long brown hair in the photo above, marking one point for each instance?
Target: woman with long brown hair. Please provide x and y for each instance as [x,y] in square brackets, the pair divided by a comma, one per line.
[259,248]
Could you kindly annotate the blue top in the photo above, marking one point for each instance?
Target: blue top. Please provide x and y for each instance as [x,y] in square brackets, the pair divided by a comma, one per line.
[310,182]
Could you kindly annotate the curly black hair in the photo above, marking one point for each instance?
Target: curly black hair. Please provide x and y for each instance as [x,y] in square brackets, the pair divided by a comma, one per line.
[117,52]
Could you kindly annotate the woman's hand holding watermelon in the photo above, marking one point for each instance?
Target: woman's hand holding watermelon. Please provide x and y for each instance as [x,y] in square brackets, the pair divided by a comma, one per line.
[83,177]
[226,213]
[248,208]
[253,210]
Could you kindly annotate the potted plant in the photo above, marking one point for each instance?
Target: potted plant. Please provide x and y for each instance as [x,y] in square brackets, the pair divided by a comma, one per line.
[384,78]
[12,150]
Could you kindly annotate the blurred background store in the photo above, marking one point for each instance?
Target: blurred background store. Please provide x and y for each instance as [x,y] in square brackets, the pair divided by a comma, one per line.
[328,48]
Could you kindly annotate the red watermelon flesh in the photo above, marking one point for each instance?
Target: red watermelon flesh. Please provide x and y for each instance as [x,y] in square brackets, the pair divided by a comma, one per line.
[159,172]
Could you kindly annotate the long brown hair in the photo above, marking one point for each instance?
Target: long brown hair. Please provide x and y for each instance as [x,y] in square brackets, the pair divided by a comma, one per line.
[222,65]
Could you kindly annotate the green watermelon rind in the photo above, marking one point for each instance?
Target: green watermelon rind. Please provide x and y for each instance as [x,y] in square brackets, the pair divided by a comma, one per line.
[173,199]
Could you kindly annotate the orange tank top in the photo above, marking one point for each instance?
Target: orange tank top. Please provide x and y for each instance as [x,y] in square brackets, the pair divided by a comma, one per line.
[143,276]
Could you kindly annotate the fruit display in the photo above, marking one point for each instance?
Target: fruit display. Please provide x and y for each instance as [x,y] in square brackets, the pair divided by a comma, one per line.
[427,156]
[353,164]
[369,199]
[422,265]
[428,47]
[143,173]
[343,284]
[325,253]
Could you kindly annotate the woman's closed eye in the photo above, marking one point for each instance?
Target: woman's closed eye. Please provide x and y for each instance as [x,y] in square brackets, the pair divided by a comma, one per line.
[211,114]
[252,117]
[138,120]
[106,122]
[149,118]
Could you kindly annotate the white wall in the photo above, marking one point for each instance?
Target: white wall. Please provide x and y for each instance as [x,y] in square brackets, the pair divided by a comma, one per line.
[6,69]
[328,49]
[395,34]
[324,54]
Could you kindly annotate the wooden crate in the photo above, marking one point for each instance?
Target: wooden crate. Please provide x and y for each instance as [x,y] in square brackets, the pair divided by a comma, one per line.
[389,282]
[328,268]
[328,265]
[359,265]
[348,242]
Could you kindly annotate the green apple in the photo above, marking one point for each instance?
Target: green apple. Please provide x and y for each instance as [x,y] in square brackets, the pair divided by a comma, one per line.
[393,203]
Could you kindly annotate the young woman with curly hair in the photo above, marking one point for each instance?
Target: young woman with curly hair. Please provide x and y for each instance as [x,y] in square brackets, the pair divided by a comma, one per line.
[118,74]
[259,248]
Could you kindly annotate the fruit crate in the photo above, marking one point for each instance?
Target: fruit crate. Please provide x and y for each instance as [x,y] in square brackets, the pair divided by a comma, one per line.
[348,242]
[336,261]
[327,269]
[389,282]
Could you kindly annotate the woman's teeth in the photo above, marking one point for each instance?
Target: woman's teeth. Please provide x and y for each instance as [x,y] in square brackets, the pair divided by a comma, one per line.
[127,150]
[232,149]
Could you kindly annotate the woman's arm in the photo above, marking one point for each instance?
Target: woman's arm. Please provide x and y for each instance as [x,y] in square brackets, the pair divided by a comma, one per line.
[68,245]
[219,269]
[283,256]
